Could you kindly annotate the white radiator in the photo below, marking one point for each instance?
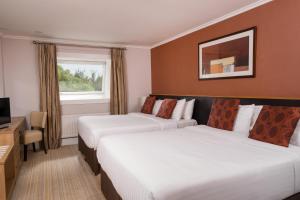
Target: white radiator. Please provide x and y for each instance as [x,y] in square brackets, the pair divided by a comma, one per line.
[69,124]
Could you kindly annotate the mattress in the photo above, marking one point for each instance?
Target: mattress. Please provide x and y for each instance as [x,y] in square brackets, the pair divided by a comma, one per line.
[91,128]
[198,163]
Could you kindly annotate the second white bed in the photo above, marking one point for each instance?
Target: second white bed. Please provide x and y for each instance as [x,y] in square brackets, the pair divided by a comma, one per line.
[198,163]
[91,128]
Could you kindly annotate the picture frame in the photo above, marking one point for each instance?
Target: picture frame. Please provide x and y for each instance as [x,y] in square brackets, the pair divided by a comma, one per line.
[229,56]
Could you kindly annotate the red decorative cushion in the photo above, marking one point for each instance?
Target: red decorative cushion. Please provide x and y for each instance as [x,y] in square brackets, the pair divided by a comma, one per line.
[166,108]
[276,125]
[148,105]
[223,113]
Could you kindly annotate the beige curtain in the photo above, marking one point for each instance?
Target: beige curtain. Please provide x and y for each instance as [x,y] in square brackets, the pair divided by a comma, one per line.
[118,93]
[49,93]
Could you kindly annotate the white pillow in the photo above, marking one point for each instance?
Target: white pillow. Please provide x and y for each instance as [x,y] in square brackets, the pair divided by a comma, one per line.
[189,109]
[295,139]
[243,119]
[257,110]
[178,110]
[156,106]
[142,101]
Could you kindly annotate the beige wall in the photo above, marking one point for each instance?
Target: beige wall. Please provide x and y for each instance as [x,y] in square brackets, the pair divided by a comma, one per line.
[21,79]
[138,76]
[20,76]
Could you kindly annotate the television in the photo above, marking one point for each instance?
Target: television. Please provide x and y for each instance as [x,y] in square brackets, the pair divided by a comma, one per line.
[5,118]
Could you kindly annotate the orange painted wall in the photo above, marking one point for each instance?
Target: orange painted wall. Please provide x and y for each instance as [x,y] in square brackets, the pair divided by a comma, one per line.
[175,65]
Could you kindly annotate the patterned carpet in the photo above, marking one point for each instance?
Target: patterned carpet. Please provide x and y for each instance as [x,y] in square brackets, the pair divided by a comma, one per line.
[60,175]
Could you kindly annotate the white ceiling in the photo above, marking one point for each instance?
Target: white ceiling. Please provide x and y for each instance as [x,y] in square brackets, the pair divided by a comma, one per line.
[134,22]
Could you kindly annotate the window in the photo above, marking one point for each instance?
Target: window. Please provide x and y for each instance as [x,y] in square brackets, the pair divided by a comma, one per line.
[81,77]
[83,80]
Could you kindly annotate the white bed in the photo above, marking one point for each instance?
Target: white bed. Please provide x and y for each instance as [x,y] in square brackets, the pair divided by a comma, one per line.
[91,128]
[198,163]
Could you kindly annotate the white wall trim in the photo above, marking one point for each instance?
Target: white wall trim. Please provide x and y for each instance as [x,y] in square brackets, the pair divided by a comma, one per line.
[69,41]
[214,21]
[138,47]
[85,101]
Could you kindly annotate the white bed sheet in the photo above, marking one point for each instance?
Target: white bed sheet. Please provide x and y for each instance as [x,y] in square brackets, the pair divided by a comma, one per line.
[91,128]
[199,163]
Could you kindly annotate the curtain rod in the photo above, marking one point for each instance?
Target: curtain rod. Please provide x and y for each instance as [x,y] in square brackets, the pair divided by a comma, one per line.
[78,45]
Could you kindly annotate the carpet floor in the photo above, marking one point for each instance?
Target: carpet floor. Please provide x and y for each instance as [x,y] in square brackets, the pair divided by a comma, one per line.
[62,174]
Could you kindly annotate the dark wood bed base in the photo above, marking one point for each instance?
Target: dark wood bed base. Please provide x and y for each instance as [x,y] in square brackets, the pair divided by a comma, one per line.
[89,155]
[108,188]
[111,193]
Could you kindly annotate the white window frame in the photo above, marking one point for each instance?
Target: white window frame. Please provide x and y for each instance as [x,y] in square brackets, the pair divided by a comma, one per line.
[88,97]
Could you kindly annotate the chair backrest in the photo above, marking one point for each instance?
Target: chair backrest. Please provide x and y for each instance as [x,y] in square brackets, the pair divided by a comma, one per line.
[38,119]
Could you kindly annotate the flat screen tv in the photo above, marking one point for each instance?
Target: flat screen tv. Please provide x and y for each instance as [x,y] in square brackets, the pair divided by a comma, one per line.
[5,118]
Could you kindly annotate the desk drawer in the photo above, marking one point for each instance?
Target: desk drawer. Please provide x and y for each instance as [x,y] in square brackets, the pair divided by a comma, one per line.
[6,139]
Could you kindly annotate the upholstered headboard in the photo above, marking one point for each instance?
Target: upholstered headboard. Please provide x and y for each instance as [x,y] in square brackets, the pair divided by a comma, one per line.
[203,103]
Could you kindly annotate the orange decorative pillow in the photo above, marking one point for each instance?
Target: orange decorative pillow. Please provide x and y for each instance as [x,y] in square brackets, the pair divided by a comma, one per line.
[166,108]
[275,125]
[148,105]
[223,113]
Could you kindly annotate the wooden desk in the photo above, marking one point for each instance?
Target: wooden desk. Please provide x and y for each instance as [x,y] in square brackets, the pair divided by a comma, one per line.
[11,136]
[10,163]
[7,174]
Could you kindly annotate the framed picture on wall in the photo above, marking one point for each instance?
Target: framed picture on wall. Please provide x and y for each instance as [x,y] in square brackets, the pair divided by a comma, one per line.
[229,56]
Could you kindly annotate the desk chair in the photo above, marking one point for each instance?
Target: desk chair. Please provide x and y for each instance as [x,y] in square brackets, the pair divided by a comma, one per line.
[36,132]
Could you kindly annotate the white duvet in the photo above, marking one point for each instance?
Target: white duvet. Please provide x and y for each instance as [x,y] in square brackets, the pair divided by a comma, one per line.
[197,163]
[91,128]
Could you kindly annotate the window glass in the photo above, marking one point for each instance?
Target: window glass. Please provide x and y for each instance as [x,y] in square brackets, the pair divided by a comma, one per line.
[81,76]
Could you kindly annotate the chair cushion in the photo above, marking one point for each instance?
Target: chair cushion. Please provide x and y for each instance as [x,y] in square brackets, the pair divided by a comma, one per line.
[31,136]
[38,119]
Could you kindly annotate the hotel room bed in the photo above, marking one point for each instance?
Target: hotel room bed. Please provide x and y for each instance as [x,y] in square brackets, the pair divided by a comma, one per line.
[91,128]
[195,163]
